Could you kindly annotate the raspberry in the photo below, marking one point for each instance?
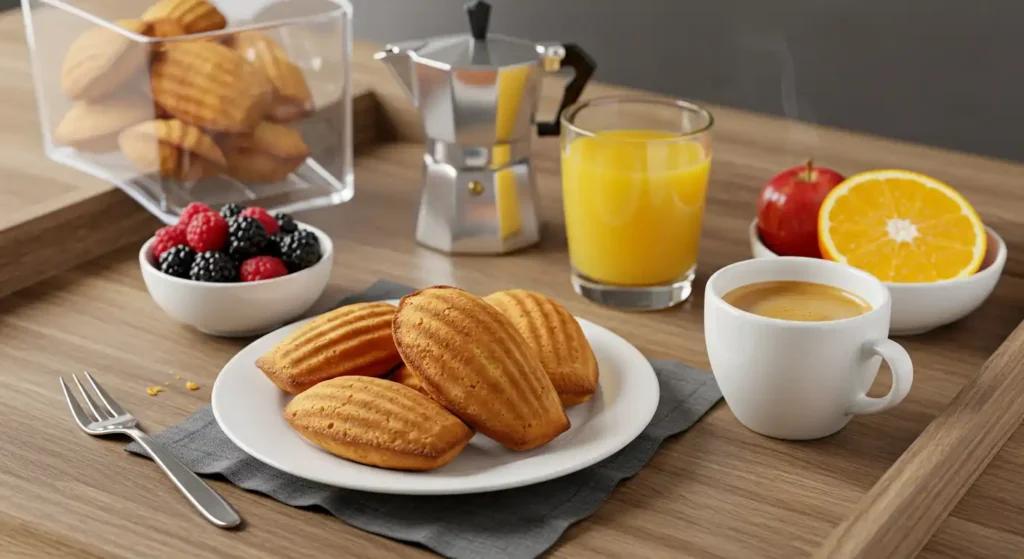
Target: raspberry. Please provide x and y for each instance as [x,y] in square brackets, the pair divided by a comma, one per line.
[262,268]
[265,219]
[192,210]
[167,238]
[207,231]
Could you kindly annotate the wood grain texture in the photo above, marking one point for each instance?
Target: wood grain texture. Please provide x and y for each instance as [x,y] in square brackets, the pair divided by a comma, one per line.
[902,511]
[985,523]
[68,235]
[717,491]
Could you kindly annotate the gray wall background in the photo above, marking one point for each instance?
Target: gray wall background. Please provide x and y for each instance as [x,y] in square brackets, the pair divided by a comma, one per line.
[941,72]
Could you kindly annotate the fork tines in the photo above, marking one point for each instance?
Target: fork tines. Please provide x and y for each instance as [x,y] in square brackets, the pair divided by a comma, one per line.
[108,410]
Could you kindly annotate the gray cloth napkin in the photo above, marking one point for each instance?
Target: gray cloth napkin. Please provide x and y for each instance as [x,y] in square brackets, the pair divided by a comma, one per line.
[514,523]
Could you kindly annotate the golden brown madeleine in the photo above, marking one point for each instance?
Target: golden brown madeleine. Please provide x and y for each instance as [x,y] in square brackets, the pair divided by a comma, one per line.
[172,149]
[404,375]
[293,99]
[93,126]
[165,28]
[379,423]
[472,360]
[557,338]
[267,154]
[350,340]
[100,61]
[195,16]
[209,85]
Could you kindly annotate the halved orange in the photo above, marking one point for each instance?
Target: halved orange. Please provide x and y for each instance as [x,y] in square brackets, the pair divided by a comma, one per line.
[901,226]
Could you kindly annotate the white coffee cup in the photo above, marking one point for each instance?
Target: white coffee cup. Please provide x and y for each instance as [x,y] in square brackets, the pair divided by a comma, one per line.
[801,380]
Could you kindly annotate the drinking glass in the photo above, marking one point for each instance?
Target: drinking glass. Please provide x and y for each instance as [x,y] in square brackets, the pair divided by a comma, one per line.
[634,179]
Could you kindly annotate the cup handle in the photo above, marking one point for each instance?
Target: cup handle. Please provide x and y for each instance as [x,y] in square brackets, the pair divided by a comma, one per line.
[902,377]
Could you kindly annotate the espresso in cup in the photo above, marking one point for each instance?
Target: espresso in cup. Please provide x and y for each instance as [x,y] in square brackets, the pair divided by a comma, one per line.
[797,300]
[795,344]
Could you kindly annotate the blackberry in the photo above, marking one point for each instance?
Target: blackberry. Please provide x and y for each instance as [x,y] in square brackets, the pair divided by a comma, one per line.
[286,222]
[246,238]
[177,261]
[213,266]
[311,236]
[273,246]
[300,250]
[229,211]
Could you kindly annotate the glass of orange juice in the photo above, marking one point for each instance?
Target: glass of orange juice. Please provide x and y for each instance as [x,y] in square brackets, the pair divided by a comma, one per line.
[634,179]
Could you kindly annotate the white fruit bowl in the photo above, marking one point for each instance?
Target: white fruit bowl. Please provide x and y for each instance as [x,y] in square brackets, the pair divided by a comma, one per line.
[239,309]
[920,307]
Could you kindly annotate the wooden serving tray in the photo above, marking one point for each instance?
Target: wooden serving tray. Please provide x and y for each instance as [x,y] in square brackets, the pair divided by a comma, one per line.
[888,485]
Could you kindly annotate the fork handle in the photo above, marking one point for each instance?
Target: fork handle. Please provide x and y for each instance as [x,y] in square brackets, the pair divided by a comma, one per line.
[212,506]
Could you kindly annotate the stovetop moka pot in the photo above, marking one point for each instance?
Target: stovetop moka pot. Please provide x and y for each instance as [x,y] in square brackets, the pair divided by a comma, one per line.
[477,95]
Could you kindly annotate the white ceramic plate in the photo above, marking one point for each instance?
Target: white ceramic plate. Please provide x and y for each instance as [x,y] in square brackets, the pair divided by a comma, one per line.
[249,407]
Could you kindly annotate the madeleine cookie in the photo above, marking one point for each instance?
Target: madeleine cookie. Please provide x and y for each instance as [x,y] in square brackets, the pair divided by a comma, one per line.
[350,340]
[165,29]
[557,338]
[293,100]
[268,154]
[93,126]
[379,423]
[473,361]
[194,16]
[100,61]
[171,149]
[209,85]
[404,375]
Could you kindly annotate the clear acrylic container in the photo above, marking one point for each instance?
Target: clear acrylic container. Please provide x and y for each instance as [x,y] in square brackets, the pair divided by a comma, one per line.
[258,112]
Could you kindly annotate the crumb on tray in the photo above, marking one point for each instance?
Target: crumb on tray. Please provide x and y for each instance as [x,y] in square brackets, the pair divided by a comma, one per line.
[191,385]
[154,390]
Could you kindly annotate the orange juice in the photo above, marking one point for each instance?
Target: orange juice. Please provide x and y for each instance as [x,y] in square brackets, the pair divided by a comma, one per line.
[634,200]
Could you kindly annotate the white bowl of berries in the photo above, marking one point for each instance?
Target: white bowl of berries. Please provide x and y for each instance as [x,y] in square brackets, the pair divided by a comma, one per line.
[236,272]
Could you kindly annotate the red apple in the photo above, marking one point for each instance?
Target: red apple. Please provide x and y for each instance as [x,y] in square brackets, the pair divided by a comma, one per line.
[787,210]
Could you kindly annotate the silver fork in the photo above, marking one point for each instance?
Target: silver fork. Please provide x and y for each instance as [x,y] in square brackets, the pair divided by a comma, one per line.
[111,418]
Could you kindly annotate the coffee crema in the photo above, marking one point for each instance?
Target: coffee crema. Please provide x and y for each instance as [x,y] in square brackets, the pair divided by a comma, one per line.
[800,301]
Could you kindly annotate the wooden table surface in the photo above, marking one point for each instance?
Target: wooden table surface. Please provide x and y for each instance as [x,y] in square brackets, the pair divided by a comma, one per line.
[717,491]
